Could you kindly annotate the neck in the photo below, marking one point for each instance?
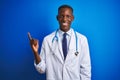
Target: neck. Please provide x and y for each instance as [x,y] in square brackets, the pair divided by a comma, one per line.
[66,30]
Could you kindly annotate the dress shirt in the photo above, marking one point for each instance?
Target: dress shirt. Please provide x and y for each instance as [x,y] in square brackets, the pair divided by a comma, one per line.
[68,36]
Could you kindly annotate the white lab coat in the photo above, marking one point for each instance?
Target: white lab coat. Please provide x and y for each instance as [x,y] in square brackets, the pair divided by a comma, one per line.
[73,68]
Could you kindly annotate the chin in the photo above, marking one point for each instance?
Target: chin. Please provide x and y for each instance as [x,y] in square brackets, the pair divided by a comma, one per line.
[65,29]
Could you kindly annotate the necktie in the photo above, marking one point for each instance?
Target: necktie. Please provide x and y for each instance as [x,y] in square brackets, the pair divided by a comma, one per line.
[64,45]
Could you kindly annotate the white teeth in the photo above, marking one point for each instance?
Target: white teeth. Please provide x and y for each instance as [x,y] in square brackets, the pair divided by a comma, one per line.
[65,24]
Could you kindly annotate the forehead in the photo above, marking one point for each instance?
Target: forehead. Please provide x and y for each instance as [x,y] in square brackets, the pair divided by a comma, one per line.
[65,10]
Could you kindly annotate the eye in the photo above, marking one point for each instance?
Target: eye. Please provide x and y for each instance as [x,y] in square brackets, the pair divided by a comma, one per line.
[68,16]
[61,16]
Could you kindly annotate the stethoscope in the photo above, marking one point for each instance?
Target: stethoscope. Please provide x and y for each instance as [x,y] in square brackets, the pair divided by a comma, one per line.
[56,37]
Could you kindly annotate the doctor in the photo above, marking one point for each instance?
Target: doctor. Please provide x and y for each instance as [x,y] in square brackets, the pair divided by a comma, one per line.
[64,53]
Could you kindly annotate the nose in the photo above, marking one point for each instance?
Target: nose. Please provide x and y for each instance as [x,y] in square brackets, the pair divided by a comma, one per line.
[64,18]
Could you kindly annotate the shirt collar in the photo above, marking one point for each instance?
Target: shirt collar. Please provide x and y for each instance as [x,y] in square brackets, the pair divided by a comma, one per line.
[69,32]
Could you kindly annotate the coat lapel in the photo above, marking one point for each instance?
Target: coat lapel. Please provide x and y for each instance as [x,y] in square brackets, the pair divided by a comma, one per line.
[72,46]
[57,50]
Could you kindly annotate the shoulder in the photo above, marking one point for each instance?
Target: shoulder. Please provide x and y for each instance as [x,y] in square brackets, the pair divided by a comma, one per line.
[81,36]
[82,39]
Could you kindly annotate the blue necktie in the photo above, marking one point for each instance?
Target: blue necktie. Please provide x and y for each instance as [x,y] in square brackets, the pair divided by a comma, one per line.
[64,45]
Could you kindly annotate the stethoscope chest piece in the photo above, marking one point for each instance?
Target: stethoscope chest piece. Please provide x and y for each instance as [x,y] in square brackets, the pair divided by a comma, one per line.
[76,53]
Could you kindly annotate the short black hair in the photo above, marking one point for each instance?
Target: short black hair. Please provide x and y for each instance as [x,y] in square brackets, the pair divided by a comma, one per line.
[65,6]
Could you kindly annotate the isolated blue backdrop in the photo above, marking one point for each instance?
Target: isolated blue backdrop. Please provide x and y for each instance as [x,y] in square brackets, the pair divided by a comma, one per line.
[99,20]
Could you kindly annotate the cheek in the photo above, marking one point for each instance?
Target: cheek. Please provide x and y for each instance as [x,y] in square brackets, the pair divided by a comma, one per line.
[71,19]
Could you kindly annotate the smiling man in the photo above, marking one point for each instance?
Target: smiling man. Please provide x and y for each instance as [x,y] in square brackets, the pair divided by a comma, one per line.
[64,53]
[65,17]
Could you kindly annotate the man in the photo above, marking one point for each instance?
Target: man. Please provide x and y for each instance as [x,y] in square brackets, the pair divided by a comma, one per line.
[64,53]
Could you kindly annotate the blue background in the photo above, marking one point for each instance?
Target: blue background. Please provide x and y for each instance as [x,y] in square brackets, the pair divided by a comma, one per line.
[99,20]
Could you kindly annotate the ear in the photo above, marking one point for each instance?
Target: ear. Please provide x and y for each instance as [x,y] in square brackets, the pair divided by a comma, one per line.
[72,18]
[57,17]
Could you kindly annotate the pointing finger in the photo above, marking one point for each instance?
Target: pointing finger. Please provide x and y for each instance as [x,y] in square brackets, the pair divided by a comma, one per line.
[29,36]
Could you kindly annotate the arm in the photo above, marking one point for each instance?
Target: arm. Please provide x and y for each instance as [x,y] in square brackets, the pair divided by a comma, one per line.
[41,66]
[39,62]
[85,68]
[34,45]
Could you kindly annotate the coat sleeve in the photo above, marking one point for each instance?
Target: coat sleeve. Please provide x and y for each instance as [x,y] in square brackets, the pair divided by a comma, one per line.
[41,67]
[85,67]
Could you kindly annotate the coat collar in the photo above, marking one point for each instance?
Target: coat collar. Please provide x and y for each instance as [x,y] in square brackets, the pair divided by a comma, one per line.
[68,32]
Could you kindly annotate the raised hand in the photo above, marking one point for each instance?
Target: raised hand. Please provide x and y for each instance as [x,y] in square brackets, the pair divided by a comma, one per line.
[34,45]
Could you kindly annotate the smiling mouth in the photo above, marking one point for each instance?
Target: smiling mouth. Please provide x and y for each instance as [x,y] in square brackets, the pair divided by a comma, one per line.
[65,24]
